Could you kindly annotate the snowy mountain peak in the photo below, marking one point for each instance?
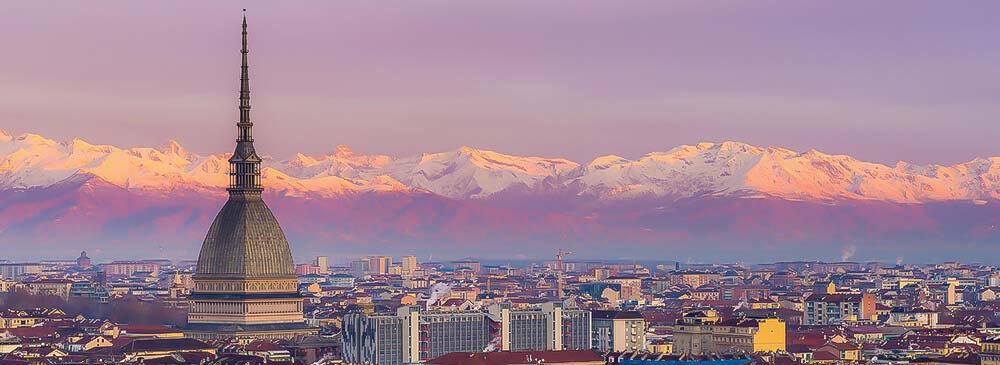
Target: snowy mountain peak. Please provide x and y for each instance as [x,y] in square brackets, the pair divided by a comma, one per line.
[778,151]
[80,146]
[172,147]
[604,162]
[738,147]
[705,169]
[34,139]
[343,151]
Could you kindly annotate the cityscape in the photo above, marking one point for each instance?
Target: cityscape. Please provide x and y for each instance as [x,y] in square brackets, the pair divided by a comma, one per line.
[718,253]
[400,310]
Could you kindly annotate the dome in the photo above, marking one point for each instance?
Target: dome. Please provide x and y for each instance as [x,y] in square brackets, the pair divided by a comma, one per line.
[245,241]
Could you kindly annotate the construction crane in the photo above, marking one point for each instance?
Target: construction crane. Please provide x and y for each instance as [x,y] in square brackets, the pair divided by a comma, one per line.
[560,254]
[559,259]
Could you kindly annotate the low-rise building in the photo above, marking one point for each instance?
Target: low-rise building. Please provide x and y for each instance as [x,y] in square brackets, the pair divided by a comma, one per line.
[703,332]
[55,287]
[12,271]
[127,268]
[153,348]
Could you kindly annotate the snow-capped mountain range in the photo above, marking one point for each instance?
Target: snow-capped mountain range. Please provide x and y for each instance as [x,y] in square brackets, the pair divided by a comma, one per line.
[728,169]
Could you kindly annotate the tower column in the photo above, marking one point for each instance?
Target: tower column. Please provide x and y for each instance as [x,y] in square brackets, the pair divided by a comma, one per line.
[240,294]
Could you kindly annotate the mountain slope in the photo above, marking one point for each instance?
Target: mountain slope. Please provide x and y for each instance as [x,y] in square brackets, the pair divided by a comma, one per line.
[714,199]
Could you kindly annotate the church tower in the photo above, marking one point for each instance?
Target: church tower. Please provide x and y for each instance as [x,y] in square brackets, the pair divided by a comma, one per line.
[245,284]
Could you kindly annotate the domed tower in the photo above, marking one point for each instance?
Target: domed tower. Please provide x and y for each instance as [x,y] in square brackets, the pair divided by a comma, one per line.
[245,284]
[83,261]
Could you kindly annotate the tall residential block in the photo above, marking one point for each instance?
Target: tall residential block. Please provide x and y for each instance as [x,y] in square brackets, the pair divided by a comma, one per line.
[323,263]
[409,265]
[835,309]
[413,335]
[618,331]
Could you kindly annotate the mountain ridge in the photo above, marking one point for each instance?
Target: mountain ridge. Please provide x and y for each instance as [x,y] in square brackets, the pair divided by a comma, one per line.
[728,168]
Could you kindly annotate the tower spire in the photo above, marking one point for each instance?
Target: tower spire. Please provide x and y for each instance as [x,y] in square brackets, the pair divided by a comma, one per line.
[245,82]
[244,165]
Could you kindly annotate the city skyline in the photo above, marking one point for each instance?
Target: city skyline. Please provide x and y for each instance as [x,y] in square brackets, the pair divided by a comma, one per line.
[546,238]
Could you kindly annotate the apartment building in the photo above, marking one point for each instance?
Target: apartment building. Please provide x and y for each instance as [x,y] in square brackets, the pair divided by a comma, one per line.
[835,309]
[414,335]
[704,332]
[618,331]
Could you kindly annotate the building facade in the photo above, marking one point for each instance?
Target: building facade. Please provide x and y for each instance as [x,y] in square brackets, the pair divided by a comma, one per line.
[372,339]
[55,287]
[835,309]
[16,270]
[413,335]
[323,263]
[619,331]
[703,332]
[409,264]
[127,268]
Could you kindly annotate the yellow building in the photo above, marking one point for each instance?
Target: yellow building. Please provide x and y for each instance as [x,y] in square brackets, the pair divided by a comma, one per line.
[660,347]
[845,352]
[763,304]
[991,344]
[990,354]
[899,282]
[702,332]
[41,352]
[6,286]
[749,335]
[705,293]
[86,343]
[12,318]
[17,319]
[826,288]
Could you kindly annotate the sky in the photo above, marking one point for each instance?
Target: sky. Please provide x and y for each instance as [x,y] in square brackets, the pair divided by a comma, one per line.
[880,80]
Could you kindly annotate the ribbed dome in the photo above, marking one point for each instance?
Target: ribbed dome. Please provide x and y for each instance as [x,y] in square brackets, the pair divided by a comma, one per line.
[245,241]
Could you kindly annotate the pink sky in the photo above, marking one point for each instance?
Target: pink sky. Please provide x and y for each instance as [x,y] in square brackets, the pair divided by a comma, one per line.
[880,80]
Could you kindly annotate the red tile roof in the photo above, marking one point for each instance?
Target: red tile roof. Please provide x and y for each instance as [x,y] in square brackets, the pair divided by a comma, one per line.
[23,332]
[824,355]
[146,329]
[263,346]
[524,357]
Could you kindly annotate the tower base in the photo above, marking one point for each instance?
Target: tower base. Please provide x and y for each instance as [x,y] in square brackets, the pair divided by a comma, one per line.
[205,331]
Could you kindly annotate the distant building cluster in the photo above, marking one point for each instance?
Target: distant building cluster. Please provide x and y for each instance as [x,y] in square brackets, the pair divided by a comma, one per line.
[368,311]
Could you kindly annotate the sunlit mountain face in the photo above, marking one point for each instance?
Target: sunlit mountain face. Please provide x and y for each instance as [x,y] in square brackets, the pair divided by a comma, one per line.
[724,200]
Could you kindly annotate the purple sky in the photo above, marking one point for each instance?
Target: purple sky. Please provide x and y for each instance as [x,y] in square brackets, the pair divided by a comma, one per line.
[880,80]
